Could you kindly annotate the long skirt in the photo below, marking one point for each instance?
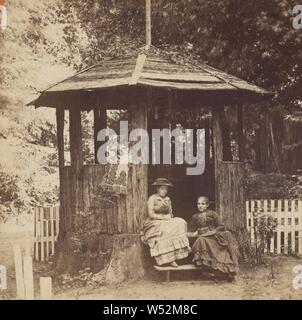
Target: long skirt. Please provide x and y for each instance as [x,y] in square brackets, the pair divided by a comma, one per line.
[217,252]
[167,239]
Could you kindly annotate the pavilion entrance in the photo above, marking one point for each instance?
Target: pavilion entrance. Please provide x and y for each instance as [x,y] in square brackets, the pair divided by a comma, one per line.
[186,187]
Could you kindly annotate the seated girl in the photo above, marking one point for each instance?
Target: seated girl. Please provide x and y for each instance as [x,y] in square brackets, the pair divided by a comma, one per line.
[215,249]
[165,235]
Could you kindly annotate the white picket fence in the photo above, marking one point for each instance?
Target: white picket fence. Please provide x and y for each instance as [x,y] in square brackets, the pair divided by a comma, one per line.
[46,230]
[287,237]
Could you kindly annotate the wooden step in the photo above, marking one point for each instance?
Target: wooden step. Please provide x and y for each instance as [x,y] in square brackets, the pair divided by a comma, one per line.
[168,269]
[179,268]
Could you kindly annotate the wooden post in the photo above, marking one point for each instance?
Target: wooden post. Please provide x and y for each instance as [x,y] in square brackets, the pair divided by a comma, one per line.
[42,233]
[207,143]
[28,278]
[148,24]
[52,229]
[285,227]
[45,288]
[207,173]
[75,128]
[47,233]
[168,276]
[38,235]
[241,133]
[229,187]
[100,122]
[279,226]
[300,228]
[19,272]
[56,222]
[3,278]
[35,235]
[76,158]
[217,148]
[60,113]
[60,136]
[28,246]
[137,185]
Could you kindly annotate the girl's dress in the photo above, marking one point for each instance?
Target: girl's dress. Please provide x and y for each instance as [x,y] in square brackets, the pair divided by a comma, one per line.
[214,248]
[167,239]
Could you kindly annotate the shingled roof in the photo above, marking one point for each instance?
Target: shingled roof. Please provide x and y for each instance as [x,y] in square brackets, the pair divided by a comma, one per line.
[151,69]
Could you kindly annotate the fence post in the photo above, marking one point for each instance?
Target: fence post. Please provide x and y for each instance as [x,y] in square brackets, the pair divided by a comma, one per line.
[273,213]
[279,227]
[42,213]
[248,216]
[19,272]
[57,222]
[265,212]
[252,222]
[293,227]
[300,226]
[45,288]
[28,246]
[52,230]
[47,232]
[36,234]
[28,278]
[3,278]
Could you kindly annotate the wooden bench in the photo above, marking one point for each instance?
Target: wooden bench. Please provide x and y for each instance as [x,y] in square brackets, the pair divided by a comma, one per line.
[168,269]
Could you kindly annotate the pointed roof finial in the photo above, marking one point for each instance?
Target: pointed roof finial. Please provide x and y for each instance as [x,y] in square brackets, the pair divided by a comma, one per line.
[148,24]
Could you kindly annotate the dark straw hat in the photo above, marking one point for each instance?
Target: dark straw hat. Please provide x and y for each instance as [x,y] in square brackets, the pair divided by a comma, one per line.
[162,182]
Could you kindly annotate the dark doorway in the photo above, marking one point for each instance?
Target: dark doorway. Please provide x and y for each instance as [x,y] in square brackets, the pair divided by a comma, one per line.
[186,188]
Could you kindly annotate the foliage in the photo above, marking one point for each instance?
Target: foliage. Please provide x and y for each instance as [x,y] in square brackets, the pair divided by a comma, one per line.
[41,194]
[296,190]
[84,278]
[253,40]
[272,186]
[42,133]
[9,189]
[264,227]
[31,58]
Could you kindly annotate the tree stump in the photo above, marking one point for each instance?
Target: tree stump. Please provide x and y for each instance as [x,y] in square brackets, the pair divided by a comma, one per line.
[127,260]
[119,257]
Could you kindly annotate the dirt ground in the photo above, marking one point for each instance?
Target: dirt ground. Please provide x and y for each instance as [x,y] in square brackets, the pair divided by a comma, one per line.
[273,281]
[261,283]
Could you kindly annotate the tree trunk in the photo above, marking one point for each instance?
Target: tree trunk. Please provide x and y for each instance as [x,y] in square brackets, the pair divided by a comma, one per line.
[100,122]
[229,188]
[103,237]
[292,146]
[268,157]
[60,142]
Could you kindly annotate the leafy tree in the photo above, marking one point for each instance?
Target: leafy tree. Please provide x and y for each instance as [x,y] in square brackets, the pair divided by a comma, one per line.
[254,40]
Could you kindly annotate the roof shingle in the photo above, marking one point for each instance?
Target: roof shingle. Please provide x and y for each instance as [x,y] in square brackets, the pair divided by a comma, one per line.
[152,69]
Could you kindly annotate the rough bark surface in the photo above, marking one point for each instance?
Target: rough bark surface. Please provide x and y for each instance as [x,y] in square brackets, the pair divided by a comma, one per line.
[117,257]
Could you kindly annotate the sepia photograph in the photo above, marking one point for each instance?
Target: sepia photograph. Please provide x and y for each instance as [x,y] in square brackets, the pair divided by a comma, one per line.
[150,150]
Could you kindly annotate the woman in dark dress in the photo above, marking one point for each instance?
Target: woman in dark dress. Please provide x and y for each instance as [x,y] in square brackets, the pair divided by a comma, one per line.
[215,248]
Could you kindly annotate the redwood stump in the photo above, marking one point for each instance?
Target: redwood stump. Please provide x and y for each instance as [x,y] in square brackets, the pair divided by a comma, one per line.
[118,257]
[128,259]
